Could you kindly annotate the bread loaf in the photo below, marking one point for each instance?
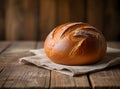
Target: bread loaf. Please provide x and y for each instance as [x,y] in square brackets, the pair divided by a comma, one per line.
[75,44]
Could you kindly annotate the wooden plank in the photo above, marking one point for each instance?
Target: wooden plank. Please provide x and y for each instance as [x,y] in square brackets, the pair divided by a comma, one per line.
[7,59]
[47,18]
[108,78]
[112,20]
[3,46]
[2,19]
[20,20]
[63,11]
[95,13]
[13,53]
[24,76]
[61,81]
[114,44]
[15,75]
[11,20]
[19,47]
[40,44]
[77,10]
[29,14]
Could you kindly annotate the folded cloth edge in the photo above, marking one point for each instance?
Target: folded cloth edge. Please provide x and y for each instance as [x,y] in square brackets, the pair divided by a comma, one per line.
[68,70]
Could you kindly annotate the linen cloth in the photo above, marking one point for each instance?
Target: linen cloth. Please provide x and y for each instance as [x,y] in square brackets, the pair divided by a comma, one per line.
[41,60]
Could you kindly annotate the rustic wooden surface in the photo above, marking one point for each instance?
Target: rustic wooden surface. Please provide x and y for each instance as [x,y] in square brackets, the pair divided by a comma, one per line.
[2,20]
[34,19]
[96,15]
[18,76]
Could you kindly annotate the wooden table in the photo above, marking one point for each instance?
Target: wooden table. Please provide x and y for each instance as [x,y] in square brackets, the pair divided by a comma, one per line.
[16,75]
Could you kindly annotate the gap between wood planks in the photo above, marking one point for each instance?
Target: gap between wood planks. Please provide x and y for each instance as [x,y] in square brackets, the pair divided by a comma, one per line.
[109,77]
[54,80]
[14,78]
[59,81]
[46,78]
[4,46]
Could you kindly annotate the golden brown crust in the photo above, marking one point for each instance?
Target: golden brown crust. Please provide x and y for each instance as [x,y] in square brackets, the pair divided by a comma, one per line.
[75,44]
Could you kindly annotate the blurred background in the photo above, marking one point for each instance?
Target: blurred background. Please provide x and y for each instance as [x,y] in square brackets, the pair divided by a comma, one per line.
[34,19]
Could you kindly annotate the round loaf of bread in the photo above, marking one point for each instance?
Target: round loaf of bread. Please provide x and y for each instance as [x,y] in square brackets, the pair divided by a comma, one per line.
[75,44]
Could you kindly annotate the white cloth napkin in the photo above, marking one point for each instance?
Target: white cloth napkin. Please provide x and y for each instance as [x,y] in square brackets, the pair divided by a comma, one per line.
[40,59]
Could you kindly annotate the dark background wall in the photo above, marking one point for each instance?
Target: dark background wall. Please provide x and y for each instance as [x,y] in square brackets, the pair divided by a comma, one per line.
[34,19]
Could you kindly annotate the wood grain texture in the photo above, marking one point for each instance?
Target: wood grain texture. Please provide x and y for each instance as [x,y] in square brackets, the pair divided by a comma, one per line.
[11,21]
[112,15]
[63,12]
[19,47]
[95,13]
[77,11]
[34,19]
[28,13]
[8,60]
[114,44]
[4,45]
[47,17]
[2,19]
[20,20]
[25,76]
[15,51]
[108,78]
[61,81]
[16,75]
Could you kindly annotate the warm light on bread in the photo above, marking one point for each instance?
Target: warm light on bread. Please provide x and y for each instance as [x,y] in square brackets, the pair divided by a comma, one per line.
[75,44]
